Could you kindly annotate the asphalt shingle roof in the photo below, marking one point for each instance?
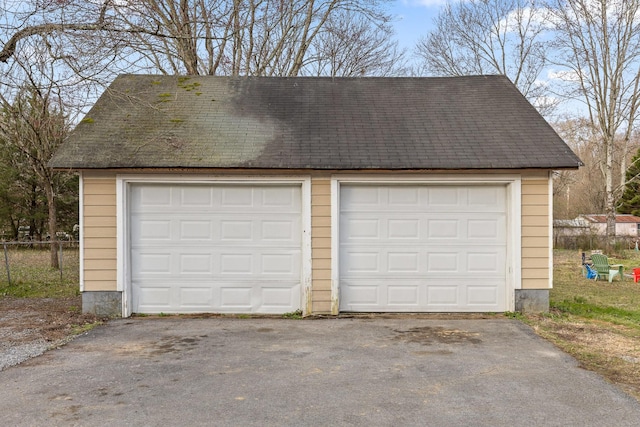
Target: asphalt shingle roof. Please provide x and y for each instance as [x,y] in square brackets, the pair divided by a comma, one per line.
[478,122]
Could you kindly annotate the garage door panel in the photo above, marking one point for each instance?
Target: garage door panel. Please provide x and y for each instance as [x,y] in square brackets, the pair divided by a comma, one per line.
[489,198]
[153,296]
[460,228]
[359,262]
[449,261]
[273,297]
[170,262]
[252,264]
[403,196]
[260,230]
[486,230]
[486,262]
[155,196]
[260,263]
[237,197]
[482,295]
[403,228]
[236,264]
[422,248]
[195,263]
[362,228]
[403,261]
[443,262]
[464,295]
[444,197]
[443,294]
[195,297]
[185,231]
[355,294]
[447,229]
[195,230]
[280,297]
[280,263]
[279,230]
[196,197]
[411,295]
[236,297]
[233,229]
[202,197]
[150,263]
[405,295]
[467,261]
[360,198]
[153,230]
[375,259]
[218,248]
[280,198]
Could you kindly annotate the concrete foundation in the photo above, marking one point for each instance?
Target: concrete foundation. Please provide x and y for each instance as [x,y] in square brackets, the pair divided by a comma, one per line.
[102,303]
[532,300]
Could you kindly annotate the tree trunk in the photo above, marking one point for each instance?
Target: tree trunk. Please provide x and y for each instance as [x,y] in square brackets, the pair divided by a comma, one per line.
[53,225]
[610,196]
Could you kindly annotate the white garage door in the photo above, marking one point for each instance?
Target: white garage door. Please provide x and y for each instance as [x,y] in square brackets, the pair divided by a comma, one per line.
[417,248]
[215,248]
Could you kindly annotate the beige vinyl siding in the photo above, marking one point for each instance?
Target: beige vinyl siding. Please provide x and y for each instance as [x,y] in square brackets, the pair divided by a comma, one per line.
[99,235]
[535,234]
[321,245]
[99,232]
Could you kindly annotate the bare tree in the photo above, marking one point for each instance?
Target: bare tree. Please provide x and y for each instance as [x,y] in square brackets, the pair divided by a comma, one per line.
[34,125]
[581,191]
[50,44]
[231,37]
[599,44]
[491,37]
[349,46]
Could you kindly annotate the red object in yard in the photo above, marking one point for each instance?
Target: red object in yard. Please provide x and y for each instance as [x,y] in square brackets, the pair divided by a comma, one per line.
[636,274]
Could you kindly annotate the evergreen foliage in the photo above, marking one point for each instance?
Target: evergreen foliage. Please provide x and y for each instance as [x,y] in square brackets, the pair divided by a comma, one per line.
[630,200]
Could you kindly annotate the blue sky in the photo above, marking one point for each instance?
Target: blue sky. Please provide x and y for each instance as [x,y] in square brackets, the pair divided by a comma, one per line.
[413,19]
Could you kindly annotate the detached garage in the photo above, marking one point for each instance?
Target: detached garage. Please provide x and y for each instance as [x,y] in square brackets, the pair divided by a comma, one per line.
[273,195]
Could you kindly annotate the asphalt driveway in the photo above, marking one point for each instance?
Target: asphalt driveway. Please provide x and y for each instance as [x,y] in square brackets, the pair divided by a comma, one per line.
[401,371]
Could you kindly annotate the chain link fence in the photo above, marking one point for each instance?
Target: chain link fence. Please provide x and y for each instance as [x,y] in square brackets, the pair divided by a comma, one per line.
[29,262]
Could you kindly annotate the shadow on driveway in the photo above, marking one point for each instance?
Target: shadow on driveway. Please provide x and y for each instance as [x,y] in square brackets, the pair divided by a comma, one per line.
[323,372]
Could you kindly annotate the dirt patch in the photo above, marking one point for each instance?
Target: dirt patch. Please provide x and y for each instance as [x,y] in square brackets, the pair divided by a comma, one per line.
[41,322]
[427,335]
[23,319]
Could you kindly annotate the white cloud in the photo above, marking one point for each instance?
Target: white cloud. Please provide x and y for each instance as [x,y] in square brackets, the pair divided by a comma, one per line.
[542,102]
[537,17]
[563,75]
[428,3]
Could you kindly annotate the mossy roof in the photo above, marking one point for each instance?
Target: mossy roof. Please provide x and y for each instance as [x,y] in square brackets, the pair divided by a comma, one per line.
[476,122]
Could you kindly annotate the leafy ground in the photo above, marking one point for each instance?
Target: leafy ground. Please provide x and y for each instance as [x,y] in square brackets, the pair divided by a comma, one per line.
[597,322]
[40,304]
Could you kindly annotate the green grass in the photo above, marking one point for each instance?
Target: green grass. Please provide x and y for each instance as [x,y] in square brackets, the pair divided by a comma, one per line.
[591,311]
[597,322]
[32,276]
[293,315]
[569,283]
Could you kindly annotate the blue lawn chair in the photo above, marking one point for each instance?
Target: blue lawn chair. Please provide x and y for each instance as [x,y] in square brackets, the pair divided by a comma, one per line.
[590,272]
